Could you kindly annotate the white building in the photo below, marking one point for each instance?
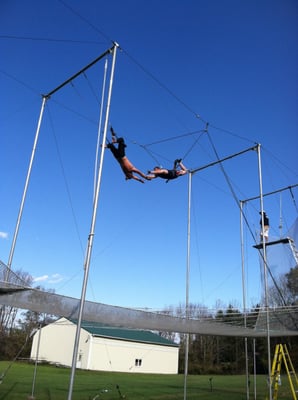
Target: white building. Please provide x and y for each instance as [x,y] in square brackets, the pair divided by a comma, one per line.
[105,348]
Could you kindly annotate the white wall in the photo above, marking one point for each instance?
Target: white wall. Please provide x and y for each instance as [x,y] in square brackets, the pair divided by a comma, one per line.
[97,353]
[119,355]
[57,342]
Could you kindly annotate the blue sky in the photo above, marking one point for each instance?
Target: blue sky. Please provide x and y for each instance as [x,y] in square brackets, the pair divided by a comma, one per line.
[181,64]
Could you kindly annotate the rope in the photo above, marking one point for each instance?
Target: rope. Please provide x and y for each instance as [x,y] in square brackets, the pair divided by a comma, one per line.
[85,20]
[151,153]
[76,90]
[91,88]
[44,39]
[65,180]
[173,138]
[193,145]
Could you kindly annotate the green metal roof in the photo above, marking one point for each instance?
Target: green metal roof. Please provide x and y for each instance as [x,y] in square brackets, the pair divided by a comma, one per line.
[133,335]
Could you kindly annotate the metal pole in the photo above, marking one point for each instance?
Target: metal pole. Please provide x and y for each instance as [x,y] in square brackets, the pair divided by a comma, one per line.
[25,188]
[265,274]
[36,362]
[255,370]
[91,235]
[223,159]
[100,120]
[187,286]
[275,191]
[244,298]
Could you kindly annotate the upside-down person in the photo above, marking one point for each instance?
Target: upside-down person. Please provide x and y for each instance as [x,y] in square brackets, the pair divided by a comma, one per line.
[264,221]
[119,153]
[168,174]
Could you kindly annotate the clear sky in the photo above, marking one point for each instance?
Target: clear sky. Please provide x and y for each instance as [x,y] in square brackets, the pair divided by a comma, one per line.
[181,64]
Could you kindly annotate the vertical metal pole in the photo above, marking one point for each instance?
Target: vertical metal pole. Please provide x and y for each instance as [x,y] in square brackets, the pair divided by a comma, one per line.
[244,298]
[255,370]
[25,188]
[91,235]
[265,273]
[100,120]
[187,286]
[36,362]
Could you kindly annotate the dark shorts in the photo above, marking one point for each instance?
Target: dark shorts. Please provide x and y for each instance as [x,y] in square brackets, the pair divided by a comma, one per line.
[171,174]
[118,152]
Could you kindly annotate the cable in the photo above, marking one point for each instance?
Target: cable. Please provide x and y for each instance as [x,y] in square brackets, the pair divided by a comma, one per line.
[49,39]
[231,133]
[173,138]
[85,20]
[93,122]
[91,88]
[151,153]
[192,146]
[19,81]
[65,181]
[293,198]
[163,86]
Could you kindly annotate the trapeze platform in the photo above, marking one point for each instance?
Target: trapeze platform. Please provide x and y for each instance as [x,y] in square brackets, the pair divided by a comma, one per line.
[280,241]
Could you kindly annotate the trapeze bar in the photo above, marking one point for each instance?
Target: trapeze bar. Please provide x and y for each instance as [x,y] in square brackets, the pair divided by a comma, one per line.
[283,241]
[80,72]
[223,159]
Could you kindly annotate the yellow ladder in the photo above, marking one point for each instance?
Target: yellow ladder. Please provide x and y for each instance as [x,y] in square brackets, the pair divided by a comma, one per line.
[282,355]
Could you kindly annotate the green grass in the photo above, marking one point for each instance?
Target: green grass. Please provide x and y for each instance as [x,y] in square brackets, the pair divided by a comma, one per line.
[52,383]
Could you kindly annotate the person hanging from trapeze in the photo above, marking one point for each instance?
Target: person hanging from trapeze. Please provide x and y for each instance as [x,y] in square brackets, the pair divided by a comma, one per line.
[178,170]
[119,153]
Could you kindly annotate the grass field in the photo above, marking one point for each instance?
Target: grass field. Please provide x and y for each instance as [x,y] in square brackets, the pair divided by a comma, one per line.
[52,383]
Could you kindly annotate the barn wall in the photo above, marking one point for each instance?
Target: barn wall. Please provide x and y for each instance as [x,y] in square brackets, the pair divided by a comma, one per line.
[124,356]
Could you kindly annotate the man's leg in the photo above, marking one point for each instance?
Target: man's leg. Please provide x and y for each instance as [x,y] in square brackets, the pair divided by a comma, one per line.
[114,136]
[177,162]
[121,147]
[114,150]
[137,171]
[182,166]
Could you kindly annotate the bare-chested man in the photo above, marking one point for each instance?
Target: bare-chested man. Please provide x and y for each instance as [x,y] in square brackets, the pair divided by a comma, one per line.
[119,153]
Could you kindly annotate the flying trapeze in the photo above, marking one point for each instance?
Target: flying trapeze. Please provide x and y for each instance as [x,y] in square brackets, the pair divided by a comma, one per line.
[129,169]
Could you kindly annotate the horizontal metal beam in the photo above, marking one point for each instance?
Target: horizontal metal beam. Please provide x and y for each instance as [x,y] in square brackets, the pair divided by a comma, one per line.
[270,193]
[80,72]
[193,171]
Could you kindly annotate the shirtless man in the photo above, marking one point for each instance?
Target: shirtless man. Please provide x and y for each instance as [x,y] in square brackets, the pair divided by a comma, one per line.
[119,153]
[168,174]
